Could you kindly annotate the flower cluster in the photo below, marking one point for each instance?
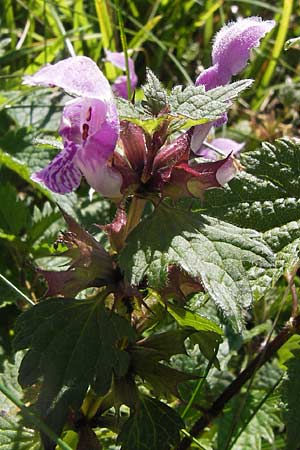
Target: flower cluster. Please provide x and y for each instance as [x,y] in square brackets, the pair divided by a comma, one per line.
[118,158]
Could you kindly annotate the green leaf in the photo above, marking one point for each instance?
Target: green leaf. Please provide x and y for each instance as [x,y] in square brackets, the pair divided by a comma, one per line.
[72,344]
[205,248]
[186,318]
[14,436]
[138,115]
[266,194]
[14,214]
[155,94]
[185,107]
[199,106]
[290,390]
[266,197]
[164,345]
[147,353]
[40,111]
[42,221]
[247,422]
[153,426]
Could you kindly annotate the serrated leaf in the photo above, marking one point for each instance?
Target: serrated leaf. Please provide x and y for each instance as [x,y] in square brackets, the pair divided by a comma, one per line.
[14,214]
[266,194]
[139,116]
[184,107]
[196,104]
[245,425]
[290,391]
[153,426]
[42,221]
[155,94]
[266,197]
[72,344]
[205,248]
[14,436]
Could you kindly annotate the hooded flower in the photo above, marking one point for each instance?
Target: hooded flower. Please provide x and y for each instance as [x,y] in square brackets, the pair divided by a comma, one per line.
[120,84]
[89,128]
[230,54]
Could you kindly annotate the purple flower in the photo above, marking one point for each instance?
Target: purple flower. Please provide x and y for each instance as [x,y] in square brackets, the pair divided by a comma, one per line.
[230,54]
[223,146]
[120,84]
[89,128]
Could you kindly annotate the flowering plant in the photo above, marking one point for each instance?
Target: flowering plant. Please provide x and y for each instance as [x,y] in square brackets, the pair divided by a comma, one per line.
[99,348]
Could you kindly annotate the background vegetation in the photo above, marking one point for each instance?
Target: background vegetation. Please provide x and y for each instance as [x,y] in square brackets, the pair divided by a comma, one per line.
[173,38]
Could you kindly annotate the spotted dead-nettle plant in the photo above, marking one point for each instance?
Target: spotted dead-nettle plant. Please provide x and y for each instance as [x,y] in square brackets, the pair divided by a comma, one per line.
[92,352]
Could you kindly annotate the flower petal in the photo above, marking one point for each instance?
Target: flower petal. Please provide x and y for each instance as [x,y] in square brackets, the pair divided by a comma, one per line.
[101,176]
[213,76]
[93,155]
[61,175]
[234,42]
[78,75]
[231,50]
[199,134]
[227,171]
[223,145]
[120,87]
[120,84]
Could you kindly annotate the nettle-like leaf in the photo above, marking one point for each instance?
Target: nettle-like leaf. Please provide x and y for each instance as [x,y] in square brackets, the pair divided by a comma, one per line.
[139,116]
[91,265]
[290,391]
[14,214]
[153,426]
[183,108]
[266,197]
[14,436]
[196,105]
[245,426]
[216,252]
[147,354]
[155,94]
[72,344]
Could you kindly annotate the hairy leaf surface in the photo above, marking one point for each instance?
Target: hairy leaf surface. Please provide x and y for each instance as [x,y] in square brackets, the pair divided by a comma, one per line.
[72,344]
[153,426]
[215,251]
[267,198]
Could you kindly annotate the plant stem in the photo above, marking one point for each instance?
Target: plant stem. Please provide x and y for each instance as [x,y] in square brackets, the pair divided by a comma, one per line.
[134,214]
[199,386]
[14,288]
[234,388]
[34,419]
[61,28]
[124,47]
[260,404]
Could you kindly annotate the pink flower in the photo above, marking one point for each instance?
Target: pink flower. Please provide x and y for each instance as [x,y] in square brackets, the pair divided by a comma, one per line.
[120,84]
[230,54]
[223,146]
[89,128]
